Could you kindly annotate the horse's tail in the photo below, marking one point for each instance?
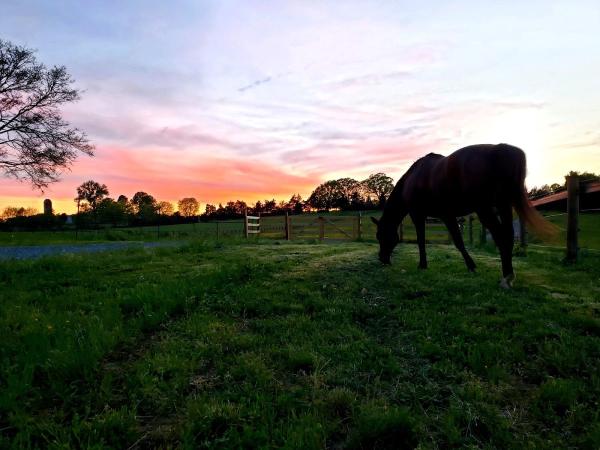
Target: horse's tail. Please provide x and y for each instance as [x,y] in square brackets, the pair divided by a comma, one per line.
[526,211]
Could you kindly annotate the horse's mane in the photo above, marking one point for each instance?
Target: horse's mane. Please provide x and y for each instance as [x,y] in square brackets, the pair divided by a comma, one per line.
[416,164]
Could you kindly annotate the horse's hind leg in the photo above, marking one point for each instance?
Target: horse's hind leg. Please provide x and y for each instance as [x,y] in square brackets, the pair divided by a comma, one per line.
[500,234]
[454,231]
[508,232]
[419,222]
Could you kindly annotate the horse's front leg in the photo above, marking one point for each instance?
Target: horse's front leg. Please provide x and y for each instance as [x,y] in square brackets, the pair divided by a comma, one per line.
[419,222]
[454,231]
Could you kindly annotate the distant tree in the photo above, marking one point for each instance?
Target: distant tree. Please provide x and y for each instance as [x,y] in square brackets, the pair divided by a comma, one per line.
[270,205]
[380,185]
[545,189]
[144,206]
[258,208]
[35,142]
[585,176]
[335,194]
[142,199]
[165,208]
[240,207]
[210,210]
[348,187]
[109,211]
[295,204]
[325,196]
[127,206]
[188,207]
[230,209]
[91,192]
[12,211]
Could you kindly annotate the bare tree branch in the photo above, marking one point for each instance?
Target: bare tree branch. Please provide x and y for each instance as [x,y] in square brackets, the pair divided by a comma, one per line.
[35,142]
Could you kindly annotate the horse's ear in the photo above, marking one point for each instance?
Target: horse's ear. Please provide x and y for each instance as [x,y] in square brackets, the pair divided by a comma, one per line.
[375,221]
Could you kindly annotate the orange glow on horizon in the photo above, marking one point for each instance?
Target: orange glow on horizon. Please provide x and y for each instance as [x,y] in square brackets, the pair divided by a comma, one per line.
[209,179]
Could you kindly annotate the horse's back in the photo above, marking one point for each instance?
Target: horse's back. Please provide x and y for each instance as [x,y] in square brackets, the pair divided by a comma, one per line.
[479,165]
[465,178]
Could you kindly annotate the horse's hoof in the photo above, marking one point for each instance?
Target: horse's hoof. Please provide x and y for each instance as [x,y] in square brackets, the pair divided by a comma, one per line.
[507,281]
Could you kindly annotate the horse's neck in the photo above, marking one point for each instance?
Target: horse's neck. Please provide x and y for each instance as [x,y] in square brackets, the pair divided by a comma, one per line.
[394,210]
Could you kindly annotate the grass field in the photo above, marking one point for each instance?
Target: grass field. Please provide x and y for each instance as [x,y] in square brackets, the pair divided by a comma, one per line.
[229,345]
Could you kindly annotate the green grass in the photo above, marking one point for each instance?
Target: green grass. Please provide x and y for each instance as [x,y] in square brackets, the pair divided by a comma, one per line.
[338,226]
[150,233]
[589,228]
[219,345]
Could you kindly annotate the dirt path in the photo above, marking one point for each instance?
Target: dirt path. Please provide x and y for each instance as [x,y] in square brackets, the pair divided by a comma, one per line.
[38,251]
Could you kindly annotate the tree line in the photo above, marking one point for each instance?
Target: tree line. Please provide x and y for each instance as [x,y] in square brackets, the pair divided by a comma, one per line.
[547,189]
[96,207]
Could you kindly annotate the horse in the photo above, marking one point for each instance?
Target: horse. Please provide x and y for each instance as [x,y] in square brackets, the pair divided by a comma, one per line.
[485,179]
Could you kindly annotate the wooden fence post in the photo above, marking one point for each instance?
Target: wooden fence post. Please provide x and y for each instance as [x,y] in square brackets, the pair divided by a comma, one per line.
[572,217]
[246,224]
[217,230]
[482,236]
[359,223]
[287,226]
[471,229]
[321,229]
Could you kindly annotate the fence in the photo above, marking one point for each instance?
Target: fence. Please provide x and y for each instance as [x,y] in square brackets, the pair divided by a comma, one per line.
[580,228]
[328,226]
[332,227]
[576,228]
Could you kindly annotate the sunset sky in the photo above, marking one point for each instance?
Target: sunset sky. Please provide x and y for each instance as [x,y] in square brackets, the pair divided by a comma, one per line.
[226,99]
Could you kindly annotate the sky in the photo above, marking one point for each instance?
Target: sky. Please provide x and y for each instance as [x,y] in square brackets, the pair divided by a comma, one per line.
[245,99]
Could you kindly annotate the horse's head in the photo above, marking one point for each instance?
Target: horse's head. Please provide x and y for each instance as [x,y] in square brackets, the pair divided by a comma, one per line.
[387,235]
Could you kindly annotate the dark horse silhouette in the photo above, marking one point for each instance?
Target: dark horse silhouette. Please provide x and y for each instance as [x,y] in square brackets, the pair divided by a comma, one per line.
[486,179]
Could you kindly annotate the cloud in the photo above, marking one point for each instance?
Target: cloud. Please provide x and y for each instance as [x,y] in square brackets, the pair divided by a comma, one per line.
[254,84]
[371,79]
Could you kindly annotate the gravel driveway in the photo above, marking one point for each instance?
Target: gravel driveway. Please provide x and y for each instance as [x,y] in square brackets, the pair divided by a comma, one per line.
[37,251]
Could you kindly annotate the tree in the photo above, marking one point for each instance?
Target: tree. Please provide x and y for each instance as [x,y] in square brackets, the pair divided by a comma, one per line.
[92,192]
[210,210]
[258,208]
[380,185]
[240,207]
[165,208]
[141,200]
[188,207]
[13,211]
[335,194]
[144,206]
[35,141]
[109,211]
[324,196]
[295,204]
[269,205]
[585,176]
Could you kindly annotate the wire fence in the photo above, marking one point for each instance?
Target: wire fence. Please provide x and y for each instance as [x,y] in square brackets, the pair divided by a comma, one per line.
[312,227]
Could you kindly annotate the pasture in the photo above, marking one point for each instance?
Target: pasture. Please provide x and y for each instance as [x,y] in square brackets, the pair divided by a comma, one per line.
[304,227]
[270,344]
